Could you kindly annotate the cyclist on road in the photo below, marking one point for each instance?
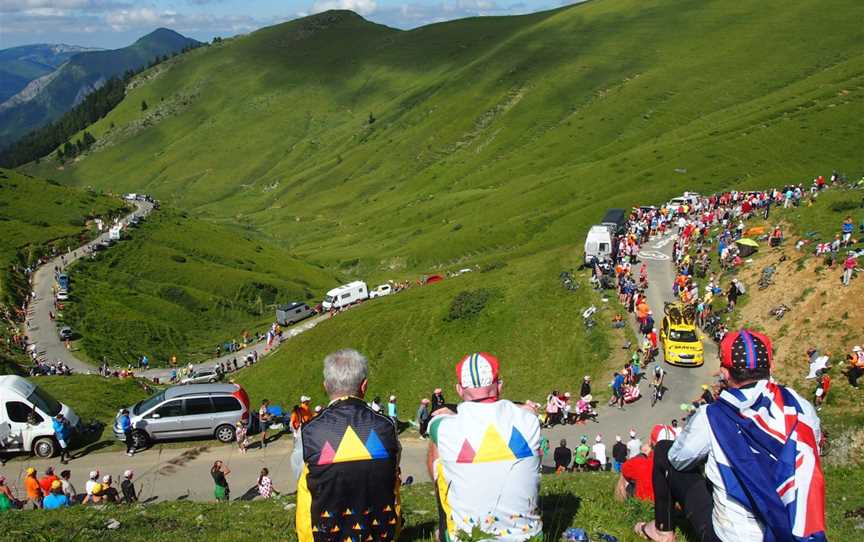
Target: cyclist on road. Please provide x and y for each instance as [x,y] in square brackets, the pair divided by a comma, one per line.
[657,381]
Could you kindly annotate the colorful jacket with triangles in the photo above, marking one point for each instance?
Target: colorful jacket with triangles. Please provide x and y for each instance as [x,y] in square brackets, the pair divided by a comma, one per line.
[348,490]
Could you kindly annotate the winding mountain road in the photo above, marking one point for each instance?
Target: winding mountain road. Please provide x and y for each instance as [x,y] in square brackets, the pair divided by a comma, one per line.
[171,473]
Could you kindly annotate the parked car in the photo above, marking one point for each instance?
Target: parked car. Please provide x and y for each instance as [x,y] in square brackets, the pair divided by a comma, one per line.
[66,333]
[292,313]
[193,410]
[380,291]
[204,376]
[26,413]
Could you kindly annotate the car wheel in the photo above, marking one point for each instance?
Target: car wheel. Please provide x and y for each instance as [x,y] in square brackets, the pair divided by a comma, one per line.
[212,380]
[44,447]
[290,322]
[140,439]
[225,433]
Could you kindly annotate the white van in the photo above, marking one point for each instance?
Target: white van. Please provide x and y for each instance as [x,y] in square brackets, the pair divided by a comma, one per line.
[26,415]
[600,244]
[345,295]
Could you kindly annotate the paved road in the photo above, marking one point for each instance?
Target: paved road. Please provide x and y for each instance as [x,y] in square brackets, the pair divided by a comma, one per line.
[172,473]
[41,330]
[682,382]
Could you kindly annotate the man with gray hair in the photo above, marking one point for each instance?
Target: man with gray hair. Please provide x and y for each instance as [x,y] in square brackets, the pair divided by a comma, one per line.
[346,460]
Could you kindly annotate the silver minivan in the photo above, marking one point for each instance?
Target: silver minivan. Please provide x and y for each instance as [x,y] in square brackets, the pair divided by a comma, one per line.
[193,410]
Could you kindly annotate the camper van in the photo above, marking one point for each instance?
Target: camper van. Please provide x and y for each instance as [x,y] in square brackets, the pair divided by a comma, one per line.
[26,414]
[600,244]
[292,313]
[345,295]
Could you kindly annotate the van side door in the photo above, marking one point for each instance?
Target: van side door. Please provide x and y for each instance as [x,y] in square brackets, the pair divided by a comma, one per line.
[198,417]
[24,425]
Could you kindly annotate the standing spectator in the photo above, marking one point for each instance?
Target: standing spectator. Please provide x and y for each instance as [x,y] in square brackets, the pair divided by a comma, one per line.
[634,445]
[31,486]
[376,404]
[618,388]
[347,461]
[849,267]
[423,417]
[68,488]
[241,432]
[580,456]
[128,488]
[848,227]
[219,471]
[619,454]
[126,427]
[55,498]
[856,366]
[585,391]
[599,451]
[732,295]
[485,458]
[300,414]
[391,409]
[438,400]
[264,421]
[265,484]
[62,433]
[563,457]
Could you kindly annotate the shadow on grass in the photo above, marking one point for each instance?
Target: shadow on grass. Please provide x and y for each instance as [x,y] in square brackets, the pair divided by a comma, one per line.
[558,512]
[419,531]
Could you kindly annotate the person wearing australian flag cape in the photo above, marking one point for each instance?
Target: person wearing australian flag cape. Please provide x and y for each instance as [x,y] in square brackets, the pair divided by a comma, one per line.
[759,447]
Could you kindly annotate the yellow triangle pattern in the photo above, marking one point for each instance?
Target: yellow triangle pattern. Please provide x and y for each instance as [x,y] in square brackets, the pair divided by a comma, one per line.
[493,448]
[351,448]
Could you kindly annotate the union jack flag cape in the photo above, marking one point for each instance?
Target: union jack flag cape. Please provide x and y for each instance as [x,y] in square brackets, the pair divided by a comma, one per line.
[769,460]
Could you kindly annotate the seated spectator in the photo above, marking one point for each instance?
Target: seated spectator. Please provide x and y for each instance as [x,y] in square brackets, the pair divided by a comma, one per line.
[563,457]
[128,488]
[46,481]
[635,480]
[55,498]
[485,459]
[7,499]
[777,493]
[109,493]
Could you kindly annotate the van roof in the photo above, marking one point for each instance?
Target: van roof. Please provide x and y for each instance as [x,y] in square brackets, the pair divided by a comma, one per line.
[197,389]
[349,286]
[289,306]
[17,384]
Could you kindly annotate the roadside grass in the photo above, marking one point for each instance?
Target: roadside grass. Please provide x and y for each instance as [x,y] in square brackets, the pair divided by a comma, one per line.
[569,500]
[180,286]
[93,398]
[530,322]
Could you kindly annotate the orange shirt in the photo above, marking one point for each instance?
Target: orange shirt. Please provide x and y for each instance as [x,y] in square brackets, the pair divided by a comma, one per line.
[32,486]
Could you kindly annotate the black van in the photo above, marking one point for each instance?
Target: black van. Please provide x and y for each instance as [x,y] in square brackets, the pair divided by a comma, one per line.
[292,313]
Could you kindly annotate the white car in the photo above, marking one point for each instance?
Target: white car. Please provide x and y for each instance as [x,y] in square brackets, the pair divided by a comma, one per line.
[62,295]
[380,291]
[204,376]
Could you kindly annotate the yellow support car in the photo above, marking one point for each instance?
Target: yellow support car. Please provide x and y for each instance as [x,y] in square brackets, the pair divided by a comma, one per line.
[681,340]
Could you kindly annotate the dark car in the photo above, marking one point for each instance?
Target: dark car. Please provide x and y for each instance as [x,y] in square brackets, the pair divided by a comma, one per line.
[66,333]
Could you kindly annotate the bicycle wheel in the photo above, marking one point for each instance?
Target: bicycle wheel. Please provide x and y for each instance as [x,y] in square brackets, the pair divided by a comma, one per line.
[654,397]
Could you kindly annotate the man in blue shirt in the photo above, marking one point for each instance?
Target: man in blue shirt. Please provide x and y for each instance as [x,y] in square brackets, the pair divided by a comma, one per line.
[55,499]
[618,389]
[848,228]
[126,427]
[62,432]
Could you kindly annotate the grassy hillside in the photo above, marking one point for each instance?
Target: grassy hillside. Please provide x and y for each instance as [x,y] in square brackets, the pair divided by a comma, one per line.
[571,500]
[490,135]
[84,73]
[179,286]
[37,216]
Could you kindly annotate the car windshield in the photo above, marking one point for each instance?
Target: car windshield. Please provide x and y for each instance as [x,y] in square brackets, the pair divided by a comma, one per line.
[683,335]
[329,299]
[44,402]
[148,403]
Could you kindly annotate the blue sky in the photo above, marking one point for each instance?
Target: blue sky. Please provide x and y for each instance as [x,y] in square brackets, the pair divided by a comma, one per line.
[116,23]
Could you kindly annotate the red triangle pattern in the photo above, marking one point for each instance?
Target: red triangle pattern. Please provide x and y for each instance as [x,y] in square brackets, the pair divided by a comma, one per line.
[466,454]
[327,454]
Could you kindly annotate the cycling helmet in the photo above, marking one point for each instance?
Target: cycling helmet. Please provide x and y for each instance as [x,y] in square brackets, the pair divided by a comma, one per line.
[658,370]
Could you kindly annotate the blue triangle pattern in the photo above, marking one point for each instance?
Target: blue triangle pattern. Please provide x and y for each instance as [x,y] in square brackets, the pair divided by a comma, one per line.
[375,447]
[518,445]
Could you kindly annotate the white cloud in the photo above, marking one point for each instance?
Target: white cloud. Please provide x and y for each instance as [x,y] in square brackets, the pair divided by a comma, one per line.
[122,19]
[363,7]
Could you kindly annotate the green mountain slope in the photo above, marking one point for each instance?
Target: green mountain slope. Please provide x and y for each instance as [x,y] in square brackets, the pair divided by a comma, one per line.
[489,134]
[36,217]
[82,74]
[20,65]
[180,286]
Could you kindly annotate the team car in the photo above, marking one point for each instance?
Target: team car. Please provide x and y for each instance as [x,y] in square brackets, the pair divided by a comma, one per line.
[680,338]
